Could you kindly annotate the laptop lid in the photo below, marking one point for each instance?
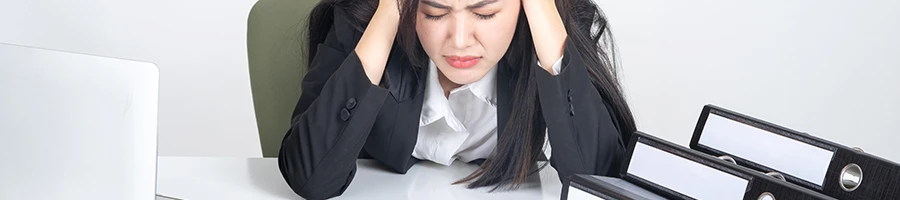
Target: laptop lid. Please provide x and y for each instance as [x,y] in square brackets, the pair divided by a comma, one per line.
[75,126]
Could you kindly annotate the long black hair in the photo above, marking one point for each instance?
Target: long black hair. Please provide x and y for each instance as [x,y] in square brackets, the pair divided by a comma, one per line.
[521,144]
[321,19]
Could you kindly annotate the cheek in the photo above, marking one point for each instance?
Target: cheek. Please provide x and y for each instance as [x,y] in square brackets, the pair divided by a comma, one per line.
[496,34]
[431,34]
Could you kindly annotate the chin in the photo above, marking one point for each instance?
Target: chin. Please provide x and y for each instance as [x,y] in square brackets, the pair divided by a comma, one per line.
[464,76]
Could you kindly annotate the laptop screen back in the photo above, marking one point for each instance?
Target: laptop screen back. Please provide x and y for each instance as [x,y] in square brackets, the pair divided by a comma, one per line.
[76,126]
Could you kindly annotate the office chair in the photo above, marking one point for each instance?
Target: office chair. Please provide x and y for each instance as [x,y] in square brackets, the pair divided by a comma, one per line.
[275,37]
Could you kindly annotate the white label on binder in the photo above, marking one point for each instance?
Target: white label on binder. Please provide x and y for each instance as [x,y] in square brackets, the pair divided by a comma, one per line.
[578,194]
[684,176]
[766,148]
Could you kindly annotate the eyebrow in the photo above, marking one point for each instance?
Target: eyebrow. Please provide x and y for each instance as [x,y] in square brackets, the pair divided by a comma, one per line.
[446,7]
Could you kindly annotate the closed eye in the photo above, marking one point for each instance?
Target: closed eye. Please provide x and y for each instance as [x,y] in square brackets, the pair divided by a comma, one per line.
[485,17]
[434,17]
[480,16]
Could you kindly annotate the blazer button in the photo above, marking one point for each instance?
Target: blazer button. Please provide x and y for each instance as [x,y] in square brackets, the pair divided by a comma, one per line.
[571,110]
[351,103]
[345,114]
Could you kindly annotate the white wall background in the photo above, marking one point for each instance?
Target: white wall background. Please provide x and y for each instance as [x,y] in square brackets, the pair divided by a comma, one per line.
[199,45]
[824,67]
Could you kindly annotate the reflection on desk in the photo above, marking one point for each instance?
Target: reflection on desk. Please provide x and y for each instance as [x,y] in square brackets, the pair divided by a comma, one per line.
[201,178]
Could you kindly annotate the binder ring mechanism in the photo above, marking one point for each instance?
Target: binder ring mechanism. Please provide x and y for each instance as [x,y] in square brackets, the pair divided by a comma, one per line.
[851,177]
[777,175]
[766,196]
[728,159]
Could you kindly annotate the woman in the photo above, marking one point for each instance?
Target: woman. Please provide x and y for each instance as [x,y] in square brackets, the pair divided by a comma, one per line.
[480,81]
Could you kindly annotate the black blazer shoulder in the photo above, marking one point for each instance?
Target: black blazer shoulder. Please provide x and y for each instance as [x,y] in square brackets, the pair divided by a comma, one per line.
[341,116]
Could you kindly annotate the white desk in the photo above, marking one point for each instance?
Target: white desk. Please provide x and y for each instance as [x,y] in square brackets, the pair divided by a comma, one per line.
[203,178]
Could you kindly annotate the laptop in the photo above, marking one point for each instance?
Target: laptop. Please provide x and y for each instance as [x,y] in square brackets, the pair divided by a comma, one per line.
[75,126]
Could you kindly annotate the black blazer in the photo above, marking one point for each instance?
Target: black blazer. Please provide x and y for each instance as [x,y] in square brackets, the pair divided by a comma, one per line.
[341,116]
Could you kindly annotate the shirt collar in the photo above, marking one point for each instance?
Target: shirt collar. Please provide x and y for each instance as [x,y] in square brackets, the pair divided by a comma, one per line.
[437,106]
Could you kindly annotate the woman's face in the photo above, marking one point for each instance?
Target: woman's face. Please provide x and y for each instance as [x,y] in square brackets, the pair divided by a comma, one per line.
[466,38]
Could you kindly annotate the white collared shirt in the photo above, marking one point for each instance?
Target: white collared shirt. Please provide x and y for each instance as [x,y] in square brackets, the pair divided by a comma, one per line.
[463,125]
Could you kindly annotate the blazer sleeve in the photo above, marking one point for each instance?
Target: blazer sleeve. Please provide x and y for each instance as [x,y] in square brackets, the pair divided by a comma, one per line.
[582,131]
[332,120]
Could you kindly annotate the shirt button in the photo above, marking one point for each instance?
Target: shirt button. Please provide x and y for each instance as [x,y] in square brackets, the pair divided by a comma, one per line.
[571,110]
[351,103]
[345,114]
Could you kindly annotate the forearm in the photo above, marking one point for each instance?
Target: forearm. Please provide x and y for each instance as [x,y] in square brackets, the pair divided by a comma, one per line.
[581,127]
[546,24]
[376,42]
[318,153]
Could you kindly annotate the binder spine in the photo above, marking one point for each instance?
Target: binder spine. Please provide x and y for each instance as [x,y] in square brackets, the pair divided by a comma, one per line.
[577,185]
[760,187]
[592,191]
[878,178]
[759,184]
[658,189]
[763,125]
[680,152]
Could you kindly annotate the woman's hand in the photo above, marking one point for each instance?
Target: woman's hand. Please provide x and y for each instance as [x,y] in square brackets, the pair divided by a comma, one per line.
[375,45]
[546,24]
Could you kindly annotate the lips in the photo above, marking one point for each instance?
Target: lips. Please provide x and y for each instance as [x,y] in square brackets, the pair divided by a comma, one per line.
[462,62]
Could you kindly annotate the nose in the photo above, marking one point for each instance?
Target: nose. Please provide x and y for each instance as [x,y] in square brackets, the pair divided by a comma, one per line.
[463,33]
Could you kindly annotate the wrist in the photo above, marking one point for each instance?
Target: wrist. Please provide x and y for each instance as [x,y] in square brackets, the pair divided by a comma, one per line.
[386,18]
[388,8]
[539,6]
[542,14]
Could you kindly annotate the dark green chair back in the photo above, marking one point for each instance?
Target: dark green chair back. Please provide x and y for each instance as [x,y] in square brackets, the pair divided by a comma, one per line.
[275,39]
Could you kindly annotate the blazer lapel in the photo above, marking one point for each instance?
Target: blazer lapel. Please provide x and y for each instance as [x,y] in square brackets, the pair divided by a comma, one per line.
[394,134]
